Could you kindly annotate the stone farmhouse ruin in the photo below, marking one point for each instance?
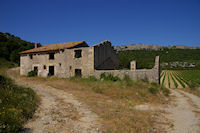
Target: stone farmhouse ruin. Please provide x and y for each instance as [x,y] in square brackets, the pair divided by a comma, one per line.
[78,59]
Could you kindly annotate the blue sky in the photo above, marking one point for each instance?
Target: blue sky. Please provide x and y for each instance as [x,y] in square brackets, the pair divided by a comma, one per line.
[163,22]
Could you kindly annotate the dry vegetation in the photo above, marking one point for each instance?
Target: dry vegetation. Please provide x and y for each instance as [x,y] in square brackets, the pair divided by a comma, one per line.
[114,102]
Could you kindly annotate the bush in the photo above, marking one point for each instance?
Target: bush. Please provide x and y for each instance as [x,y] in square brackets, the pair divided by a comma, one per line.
[153,90]
[17,104]
[32,74]
[109,77]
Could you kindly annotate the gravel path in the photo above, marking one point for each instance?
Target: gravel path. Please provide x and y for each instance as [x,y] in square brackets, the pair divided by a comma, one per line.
[60,112]
[184,112]
[185,116]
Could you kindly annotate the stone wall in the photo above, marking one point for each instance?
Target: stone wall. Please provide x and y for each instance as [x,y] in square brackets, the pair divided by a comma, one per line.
[152,75]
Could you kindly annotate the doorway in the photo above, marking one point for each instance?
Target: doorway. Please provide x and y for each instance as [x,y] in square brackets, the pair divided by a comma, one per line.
[35,69]
[78,73]
[51,70]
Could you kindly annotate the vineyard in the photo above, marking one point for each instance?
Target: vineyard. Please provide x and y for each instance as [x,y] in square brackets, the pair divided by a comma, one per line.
[180,78]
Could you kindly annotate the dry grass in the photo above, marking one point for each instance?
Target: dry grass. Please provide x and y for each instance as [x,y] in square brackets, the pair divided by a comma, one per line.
[113,101]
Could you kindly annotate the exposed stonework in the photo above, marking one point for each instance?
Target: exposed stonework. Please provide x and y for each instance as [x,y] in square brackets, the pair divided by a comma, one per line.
[81,59]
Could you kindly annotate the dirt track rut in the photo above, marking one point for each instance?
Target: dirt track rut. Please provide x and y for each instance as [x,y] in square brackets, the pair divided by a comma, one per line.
[60,112]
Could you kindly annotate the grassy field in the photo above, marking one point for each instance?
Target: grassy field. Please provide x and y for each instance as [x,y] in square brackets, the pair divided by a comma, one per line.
[113,101]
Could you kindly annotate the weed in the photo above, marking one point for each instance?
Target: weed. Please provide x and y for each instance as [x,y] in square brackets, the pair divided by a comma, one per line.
[92,78]
[165,91]
[97,89]
[128,81]
[142,93]
[153,90]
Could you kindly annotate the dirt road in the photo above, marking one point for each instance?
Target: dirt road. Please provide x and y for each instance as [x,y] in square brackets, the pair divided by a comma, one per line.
[59,111]
[184,112]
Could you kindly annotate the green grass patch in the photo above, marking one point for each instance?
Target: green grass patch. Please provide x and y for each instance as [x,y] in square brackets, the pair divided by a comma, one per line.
[17,105]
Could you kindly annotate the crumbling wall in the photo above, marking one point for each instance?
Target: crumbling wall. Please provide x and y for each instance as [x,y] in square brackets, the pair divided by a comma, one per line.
[152,75]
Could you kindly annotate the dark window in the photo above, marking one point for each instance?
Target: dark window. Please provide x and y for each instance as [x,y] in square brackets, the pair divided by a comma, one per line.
[45,67]
[31,56]
[60,64]
[78,53]
[70,67]
[51,56]
[35,69]
[78,73]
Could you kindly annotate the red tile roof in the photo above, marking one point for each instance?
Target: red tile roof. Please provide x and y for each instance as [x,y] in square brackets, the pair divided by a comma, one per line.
[53,47]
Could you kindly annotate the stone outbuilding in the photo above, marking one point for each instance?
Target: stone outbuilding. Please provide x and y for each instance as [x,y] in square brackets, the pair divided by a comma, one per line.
[78,59]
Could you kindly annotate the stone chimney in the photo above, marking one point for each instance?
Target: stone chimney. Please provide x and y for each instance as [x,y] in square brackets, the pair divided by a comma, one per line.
[133,65]
[37,45]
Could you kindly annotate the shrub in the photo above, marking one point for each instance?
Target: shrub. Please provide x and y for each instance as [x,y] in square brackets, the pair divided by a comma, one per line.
[32,73]
[153,90]
[109,77]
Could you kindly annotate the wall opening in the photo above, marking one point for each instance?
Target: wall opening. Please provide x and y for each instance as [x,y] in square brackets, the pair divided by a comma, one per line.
[51,56]
[44,67]
[35,69]
[78,73]
[78,53]
[51,71]
[31,56]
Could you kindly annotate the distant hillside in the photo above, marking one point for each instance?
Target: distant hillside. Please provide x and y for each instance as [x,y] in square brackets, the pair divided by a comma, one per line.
[170,58]
[151,47]
[10,46]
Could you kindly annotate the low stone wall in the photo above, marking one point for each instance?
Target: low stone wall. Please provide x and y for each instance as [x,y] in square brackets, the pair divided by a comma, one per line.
[152,75]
